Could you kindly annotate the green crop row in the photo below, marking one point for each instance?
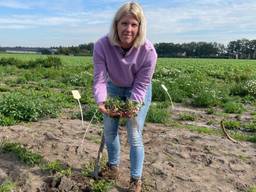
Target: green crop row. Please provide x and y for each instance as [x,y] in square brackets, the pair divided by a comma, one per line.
[32,93]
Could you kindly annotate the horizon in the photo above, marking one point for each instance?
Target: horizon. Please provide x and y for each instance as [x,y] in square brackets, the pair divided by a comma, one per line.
[54,23]
[34,47]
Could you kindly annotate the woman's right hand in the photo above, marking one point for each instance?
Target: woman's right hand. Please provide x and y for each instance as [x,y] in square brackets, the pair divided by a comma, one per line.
[102,109]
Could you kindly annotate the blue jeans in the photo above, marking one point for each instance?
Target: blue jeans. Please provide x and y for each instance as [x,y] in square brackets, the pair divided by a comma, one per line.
[134,130]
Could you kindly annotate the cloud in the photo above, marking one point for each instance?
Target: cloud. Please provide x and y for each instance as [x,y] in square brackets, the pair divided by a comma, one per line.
[70,19]
[168,21]
[14,4]
[201,19]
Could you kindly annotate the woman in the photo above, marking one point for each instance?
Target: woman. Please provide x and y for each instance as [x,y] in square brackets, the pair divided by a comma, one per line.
[124,63]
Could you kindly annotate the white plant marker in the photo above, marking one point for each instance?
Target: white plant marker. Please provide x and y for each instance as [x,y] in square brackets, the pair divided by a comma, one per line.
[166,90]
[77,96]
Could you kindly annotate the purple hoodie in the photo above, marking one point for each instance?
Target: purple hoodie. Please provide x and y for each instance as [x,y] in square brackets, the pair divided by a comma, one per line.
[133,69]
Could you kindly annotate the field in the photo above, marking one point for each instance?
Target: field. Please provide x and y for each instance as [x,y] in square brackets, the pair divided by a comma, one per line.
[186,150]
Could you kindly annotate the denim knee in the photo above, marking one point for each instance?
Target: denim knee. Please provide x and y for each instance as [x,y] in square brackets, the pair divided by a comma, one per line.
[134,134]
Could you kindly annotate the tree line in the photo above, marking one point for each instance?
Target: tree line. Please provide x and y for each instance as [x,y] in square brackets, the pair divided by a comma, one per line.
[239,49]
[242,49]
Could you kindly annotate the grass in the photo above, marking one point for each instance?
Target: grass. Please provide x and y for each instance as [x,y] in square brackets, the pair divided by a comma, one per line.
[57,167]
[187,117]
[233,107]
[30,158]
[26,156]
[218,132]
[158,113]
[204,130]
[233,125]
[88,168]
[97,185]
[7,186]
[54,167]
[101,185]
[252,189]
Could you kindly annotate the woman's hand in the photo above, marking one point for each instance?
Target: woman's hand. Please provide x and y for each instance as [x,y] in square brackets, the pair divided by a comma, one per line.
[102,109]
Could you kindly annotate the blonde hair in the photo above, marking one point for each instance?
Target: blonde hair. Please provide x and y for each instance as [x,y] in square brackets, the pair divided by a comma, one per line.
[136,10]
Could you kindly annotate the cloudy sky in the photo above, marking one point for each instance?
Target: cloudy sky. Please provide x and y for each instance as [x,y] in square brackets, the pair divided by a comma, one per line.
[72,22]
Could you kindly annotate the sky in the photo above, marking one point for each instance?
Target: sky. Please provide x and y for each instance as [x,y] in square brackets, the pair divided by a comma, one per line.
[46,23]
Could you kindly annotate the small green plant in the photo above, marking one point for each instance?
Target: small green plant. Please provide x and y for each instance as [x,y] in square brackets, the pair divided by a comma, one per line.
[7,186]
[26,156]
[210,122]
[187,117]
[233,107]
[88,168]
[6,121]
[233,125]
[158,113]
[57,167]
[101,185]
[250,127]
[210,110]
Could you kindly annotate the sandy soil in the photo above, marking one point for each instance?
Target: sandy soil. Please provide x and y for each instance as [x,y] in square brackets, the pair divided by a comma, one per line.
[175,159]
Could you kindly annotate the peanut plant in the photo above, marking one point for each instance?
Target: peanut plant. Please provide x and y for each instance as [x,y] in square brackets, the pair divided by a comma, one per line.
[120,107]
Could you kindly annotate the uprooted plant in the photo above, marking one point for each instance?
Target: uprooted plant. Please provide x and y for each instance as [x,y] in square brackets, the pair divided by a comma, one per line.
[116,105]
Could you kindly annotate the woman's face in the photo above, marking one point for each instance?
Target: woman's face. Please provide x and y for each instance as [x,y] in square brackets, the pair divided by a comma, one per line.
[127,29]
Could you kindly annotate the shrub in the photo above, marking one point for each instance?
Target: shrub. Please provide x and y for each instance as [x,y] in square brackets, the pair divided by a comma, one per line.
[87,97]
[158,113]
[9,61]
[40,62]
[90,111]
[233,107]
[30,107]
[158,93]
[205,98]
[238,89]
[75,79]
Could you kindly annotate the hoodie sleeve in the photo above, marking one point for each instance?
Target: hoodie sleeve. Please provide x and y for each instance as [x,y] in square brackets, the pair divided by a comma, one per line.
[144,76]
[100,73]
